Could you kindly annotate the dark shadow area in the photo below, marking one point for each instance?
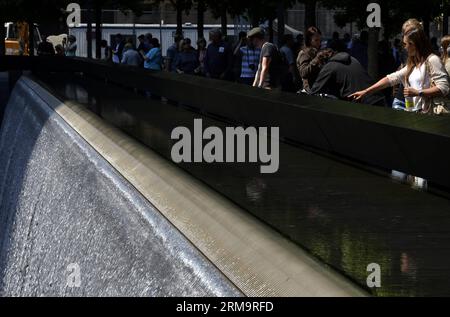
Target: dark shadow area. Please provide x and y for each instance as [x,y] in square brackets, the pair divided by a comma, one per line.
[4,93]
[345,215]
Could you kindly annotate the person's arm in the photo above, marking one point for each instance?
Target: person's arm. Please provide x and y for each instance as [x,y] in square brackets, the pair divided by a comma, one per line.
[146,57]
[264,70]
[178,66]
[124,58]
[438,75]
[322,84]
[308,64]
[382,84]
[426,93]
[150,55]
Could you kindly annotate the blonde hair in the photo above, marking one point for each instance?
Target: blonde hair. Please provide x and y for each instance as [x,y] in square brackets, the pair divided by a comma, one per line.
[445,42]
[410,25]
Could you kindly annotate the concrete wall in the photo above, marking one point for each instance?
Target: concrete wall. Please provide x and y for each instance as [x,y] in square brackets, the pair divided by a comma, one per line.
[63,207]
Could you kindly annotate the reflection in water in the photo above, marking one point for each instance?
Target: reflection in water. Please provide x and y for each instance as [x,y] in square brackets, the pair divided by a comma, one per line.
[345,216]
[255,188]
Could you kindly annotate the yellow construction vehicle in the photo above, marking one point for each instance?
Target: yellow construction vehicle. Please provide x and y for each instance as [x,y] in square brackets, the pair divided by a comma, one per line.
[17,41]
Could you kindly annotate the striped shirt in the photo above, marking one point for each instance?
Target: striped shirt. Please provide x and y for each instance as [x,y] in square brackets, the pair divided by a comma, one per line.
[249,57]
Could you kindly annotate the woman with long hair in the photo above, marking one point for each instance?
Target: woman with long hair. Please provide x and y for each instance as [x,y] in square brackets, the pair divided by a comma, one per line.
[424,76]
[310,61]
[445,43]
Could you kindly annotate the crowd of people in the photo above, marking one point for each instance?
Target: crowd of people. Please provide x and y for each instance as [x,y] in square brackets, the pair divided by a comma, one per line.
[413,71]
[67,48]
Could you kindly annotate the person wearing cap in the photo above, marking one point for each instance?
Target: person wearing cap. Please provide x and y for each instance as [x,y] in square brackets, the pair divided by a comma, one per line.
[219,57]
[266,76]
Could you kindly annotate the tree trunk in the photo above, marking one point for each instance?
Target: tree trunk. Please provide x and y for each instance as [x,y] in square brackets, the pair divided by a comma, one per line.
[224,21]
[98,30]
[372,52]
[179,20]
[2,37]
[281,22]
[89,29]
[201,19]
[310,13]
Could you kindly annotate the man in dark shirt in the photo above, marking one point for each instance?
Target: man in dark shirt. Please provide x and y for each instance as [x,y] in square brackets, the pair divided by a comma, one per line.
[267,76]
[219,57]
[144,45]
[172,53]
[342,76]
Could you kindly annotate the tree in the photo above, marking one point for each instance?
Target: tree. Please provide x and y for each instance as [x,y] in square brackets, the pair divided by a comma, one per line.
[94,13]
[181,6]
[201,8]
[310,13]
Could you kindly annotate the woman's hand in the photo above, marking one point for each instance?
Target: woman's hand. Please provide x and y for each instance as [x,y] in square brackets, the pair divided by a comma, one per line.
[358,96]
[411,92]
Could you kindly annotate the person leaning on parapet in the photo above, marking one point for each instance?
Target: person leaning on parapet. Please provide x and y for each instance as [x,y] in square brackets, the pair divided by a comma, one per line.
[117,51]
[341,76]
[187,62]
[153,59]
[310,60]
[130,56]
[201,55]
[237,57]
[219,57]
[249,57]
[424,76]
[172,53]
[71,48]
[106,51]
[144,45]
[267,76]
[445,45]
